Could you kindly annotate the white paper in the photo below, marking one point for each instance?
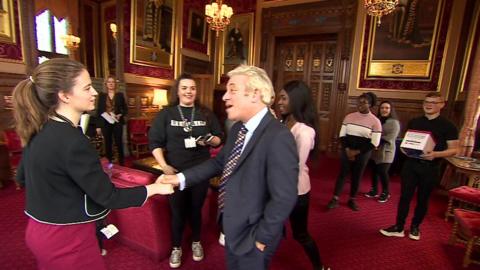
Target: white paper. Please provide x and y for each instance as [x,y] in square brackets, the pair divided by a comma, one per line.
[84,119]
[109,117]
[109,231]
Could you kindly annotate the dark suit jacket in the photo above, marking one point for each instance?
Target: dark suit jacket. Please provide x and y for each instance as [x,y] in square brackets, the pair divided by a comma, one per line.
[120,107]
[262,189]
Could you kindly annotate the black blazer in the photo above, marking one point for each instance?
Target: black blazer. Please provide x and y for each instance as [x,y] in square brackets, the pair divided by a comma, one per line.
[64,180]
[261,191]
[120,107]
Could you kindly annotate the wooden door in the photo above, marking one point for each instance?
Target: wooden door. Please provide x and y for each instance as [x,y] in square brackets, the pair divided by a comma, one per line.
[313,60]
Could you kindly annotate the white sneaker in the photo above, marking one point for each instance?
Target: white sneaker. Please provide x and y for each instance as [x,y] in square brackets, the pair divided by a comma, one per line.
[176,258]
[104,252]
[221,239]
[197,251]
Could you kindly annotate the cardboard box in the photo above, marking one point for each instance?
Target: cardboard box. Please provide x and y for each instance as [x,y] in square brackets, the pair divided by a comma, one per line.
[417,142]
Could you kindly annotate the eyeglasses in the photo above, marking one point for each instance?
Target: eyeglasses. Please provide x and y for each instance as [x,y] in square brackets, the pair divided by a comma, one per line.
[432,102]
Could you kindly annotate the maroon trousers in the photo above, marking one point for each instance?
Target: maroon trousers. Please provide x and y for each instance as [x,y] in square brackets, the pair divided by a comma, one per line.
[64,246]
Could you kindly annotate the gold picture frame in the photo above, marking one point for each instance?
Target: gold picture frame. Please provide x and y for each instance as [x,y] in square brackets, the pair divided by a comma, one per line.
[152,33]
[7,22]
[237,45]
[197,26]
[399,47]
[109,47]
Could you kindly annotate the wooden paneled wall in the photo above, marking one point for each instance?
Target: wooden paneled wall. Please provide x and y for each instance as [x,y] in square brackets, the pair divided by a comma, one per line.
[7,84]
[136,95]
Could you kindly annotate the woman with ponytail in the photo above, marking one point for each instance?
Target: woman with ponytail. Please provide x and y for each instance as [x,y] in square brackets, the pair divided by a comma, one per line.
[66,188]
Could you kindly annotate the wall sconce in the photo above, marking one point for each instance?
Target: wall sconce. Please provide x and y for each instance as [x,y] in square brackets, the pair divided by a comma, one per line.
[160,98]
[71,42]
[113,28]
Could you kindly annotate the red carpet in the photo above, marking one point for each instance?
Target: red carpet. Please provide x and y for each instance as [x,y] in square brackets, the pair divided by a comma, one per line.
[347,239]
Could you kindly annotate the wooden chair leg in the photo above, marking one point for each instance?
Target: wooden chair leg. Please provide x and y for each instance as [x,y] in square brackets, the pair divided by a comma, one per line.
[468,252]
[448,213]
[14,175]
[453,237]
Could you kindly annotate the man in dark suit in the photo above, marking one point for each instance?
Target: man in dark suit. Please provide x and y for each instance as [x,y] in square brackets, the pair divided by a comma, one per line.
[259,172]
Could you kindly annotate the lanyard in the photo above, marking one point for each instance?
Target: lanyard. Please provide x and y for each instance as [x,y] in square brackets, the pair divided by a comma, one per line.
[188,127]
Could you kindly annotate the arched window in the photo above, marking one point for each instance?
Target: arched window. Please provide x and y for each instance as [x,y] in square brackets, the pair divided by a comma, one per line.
[49,31]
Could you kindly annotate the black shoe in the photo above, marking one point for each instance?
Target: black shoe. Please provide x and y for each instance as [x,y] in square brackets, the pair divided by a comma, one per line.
[394,230]
[333,203]
[414,233]
[383,197]
[371,194]
[352,205]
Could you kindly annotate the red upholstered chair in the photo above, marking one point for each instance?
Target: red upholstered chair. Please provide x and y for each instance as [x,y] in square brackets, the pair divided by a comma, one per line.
[146,229]
[466,230]
[462,197]
[137,136]
[14,148]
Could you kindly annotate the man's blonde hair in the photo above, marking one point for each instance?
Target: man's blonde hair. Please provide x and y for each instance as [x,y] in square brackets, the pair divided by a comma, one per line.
[258,79]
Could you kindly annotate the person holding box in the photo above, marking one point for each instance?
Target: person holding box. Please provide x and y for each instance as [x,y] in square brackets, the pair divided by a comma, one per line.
[423,173]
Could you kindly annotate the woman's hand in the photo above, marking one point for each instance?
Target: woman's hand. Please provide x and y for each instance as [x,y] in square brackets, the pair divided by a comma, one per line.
[99,131]
[168,170]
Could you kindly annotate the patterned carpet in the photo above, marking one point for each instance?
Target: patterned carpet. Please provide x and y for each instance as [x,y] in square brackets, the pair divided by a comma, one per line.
[347,239]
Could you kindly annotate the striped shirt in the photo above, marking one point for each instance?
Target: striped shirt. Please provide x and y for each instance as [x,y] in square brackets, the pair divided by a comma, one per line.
[361,131]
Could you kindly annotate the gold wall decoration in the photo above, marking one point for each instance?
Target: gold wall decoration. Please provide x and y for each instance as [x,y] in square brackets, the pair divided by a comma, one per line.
[404,45]
[152,33]
[7,22]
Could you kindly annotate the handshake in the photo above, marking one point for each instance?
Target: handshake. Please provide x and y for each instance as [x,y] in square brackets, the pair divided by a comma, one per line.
[163,185]
[171,180]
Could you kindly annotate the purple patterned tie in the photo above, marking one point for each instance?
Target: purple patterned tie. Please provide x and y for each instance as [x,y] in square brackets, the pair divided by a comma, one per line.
[231,164]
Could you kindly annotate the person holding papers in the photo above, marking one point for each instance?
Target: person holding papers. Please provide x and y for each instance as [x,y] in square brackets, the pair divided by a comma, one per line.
[111,112]
[423,173]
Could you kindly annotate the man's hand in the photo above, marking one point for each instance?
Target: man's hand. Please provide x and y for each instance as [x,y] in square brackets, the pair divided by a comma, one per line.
[260,246]
[163,189]
[99,131]
[169,170]
[431,155]
[168,179]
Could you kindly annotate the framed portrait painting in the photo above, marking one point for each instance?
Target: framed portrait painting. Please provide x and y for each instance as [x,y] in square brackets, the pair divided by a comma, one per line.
[237,46]
[7,22]
[404,44]
[197,26]
[151,33]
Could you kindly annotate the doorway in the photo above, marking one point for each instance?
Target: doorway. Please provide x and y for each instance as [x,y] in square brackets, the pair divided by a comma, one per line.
[314,60]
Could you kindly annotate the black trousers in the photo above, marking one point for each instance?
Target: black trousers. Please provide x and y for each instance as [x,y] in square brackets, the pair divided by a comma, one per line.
[185,204]
[99,225]
[110,133]
[420,175]
[356,168]
[380,170]
[299,223]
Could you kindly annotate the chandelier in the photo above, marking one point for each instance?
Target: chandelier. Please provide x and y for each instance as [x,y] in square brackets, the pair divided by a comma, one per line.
[71,42]
[379,8]
[218,15]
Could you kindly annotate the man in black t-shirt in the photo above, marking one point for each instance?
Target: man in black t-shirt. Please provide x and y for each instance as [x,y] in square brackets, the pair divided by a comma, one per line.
[424,174]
